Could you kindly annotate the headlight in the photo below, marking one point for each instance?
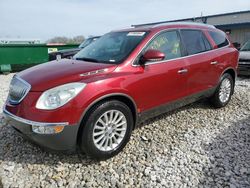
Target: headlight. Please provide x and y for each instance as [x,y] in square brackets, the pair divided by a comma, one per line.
[59,96]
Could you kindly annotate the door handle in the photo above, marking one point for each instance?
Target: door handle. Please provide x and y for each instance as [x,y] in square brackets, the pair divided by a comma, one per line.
[214,63]
[181,71]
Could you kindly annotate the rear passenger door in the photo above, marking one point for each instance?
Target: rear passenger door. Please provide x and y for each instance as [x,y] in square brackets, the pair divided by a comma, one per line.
[199,58]
[222,56]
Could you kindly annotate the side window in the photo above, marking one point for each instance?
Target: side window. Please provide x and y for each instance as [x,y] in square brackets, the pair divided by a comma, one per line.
[168,43]
[195,41]
[219,38]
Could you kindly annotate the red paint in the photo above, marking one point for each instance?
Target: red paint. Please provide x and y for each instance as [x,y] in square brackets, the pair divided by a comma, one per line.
[153,55]
[149,86]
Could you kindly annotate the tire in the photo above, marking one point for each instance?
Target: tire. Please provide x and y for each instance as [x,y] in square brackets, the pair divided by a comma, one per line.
[224,91]
[95,132]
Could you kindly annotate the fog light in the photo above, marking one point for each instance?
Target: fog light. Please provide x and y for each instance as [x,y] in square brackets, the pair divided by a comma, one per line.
[47,129]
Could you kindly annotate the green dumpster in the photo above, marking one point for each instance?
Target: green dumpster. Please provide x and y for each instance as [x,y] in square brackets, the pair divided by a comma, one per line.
[16,57]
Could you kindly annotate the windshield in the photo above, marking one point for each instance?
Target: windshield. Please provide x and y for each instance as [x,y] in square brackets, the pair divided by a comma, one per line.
[87,42]
[246,46]
[111,48]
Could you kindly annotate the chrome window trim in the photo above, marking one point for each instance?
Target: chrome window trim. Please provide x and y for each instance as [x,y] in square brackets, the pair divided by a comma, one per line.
[165,61]
[29,122]
[29,88]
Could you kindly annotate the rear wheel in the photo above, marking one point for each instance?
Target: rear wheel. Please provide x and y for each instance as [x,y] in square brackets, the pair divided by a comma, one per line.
[224,91]
[107,129]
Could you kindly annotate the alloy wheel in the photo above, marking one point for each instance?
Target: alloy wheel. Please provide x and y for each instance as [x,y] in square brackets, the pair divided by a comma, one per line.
[109,130]
[225,90]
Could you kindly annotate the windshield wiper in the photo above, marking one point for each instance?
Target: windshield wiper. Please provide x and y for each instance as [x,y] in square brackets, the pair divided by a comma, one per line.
[87,59]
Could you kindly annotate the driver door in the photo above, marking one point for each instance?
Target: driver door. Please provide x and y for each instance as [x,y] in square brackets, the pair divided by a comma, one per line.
[165,81]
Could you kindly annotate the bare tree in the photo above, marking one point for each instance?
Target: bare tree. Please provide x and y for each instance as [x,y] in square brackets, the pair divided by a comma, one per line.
[75,40]
[78,39]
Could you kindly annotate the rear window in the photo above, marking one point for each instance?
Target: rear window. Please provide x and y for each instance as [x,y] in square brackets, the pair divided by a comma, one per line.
[219,38]
[195,41]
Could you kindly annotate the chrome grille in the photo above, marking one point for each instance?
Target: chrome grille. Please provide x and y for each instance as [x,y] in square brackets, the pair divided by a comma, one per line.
[18,90]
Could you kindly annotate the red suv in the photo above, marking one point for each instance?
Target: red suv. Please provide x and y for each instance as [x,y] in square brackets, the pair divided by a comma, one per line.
[95,100]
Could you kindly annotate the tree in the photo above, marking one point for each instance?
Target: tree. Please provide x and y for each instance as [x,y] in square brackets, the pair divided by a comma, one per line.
[78,39]
[65,40]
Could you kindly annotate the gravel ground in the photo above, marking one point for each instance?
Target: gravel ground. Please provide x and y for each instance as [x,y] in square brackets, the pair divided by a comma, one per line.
[195,146]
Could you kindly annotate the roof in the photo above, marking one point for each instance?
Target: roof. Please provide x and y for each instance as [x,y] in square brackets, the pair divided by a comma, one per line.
[192,25]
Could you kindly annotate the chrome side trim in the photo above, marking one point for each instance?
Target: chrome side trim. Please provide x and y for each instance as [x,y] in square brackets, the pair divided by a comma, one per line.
[29,88]
[93,72]
[29,122]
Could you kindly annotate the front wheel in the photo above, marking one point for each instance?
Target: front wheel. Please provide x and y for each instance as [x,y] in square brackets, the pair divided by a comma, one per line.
[107,129]
[224,91]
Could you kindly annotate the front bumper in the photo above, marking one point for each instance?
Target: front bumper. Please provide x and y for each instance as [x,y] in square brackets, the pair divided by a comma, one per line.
[65,141]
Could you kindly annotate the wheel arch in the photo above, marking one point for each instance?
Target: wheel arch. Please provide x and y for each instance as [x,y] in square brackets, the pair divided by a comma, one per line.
[114,96]
[232,72]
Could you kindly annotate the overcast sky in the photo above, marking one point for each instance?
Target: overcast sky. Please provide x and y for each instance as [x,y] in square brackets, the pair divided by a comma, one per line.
[43,19]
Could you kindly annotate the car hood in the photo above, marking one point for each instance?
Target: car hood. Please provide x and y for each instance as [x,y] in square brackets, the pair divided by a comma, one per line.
[48,75]
[244,54]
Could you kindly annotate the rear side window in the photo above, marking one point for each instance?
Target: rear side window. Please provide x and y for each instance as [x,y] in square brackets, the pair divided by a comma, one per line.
[219,38]
[195,41]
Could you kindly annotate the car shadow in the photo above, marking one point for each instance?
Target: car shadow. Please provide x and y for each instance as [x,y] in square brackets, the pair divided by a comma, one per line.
[229,156]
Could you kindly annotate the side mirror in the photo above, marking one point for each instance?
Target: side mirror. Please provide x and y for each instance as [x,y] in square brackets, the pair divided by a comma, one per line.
[152,55]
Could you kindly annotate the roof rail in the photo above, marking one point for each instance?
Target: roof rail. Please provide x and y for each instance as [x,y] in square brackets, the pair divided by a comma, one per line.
[153,25]
[185,23]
